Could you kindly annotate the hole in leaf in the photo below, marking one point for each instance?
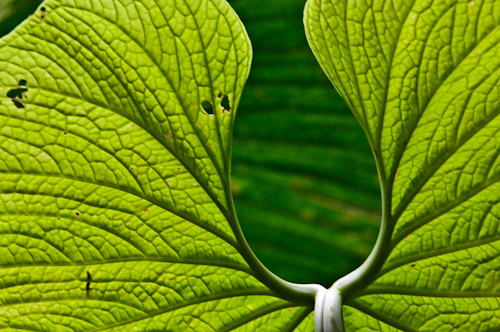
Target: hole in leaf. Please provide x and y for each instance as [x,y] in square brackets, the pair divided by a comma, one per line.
[89,280]
[225,103]
[43,12]
[77,213]
[16,94]
[17,103]
[412,265]
[208,107]
[220,95]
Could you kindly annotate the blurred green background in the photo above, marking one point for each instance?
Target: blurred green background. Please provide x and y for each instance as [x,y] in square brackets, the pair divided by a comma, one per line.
[304,179]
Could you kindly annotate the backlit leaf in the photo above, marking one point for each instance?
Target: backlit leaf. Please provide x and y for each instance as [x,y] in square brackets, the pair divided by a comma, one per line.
[422,78]
[115,205]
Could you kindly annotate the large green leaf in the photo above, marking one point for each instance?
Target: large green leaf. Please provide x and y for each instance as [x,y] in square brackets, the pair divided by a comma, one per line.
[115,206]
[422,79]
[303,179]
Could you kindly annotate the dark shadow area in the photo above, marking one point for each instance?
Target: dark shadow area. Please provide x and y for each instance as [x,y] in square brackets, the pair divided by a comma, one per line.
[208,107]
[304,178]
[13,13]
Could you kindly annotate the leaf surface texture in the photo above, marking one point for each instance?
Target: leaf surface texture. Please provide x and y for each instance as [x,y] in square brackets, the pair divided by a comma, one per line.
[422,79]
[115,205]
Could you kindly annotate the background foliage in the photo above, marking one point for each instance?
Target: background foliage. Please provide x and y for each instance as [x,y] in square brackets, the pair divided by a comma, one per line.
[304,179]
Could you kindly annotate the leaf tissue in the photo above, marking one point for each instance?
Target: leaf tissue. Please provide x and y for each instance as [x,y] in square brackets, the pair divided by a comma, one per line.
[116,211]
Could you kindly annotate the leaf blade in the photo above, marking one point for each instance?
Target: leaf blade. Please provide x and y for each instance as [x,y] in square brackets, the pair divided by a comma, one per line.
[435,130]
[115,205]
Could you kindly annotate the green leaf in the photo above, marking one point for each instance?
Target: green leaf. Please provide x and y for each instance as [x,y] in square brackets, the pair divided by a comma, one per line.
[288,205]
[422,79]
[115,206]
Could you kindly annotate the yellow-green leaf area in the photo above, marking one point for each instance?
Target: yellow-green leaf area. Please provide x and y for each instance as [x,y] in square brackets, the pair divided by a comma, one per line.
[116,212]
[422,77]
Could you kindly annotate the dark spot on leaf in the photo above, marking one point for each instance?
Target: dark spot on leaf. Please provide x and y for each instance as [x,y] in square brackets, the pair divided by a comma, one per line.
[11,203]
[220,95]
[77,213]
[208,107]
[17,103]
[43,12]
[89,280]
[146,210]
[131,168]
[65,133]
[398,175]
[224,103]
[178,168]
[16,94]
[412,265]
